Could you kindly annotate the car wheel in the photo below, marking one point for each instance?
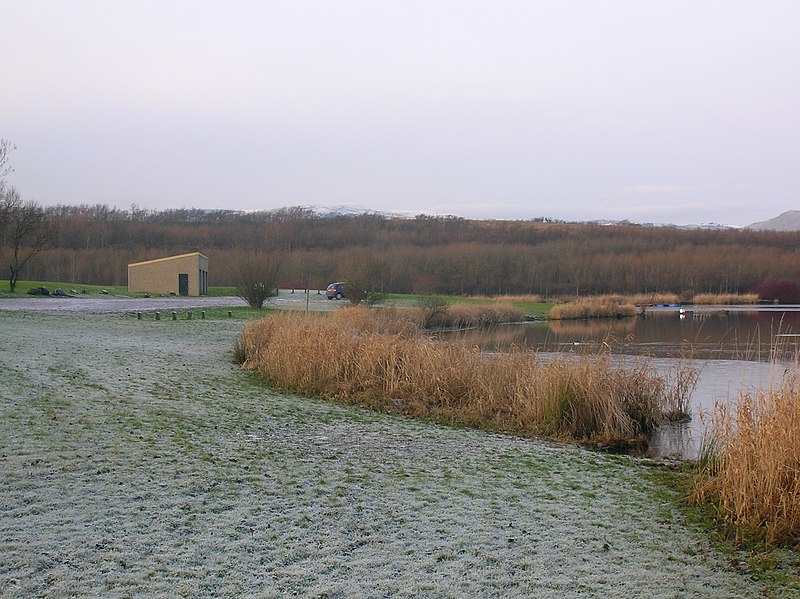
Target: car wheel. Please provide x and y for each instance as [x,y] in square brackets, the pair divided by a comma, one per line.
[338,296]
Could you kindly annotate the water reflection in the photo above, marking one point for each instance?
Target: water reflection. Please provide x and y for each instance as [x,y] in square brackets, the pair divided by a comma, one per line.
[734,351]
[730,336]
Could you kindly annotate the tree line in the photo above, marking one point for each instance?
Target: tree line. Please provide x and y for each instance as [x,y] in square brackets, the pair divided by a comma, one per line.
[425,254]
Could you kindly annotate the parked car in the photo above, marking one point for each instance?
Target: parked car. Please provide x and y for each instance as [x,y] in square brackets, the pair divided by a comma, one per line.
[335,290]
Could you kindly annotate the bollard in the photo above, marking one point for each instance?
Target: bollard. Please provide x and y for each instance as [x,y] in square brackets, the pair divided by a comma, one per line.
[203,315]
[138,316]
[189,315]
[230,314]
[174,315]
[158,315]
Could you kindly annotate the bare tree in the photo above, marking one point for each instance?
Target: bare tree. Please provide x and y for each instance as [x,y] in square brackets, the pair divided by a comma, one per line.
[25,230]
[363,275]
[5,150]
[257,278]
[4,212]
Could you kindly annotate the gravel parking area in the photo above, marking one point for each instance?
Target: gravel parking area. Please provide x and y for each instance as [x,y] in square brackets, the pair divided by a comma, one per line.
[79,304]
[136,460]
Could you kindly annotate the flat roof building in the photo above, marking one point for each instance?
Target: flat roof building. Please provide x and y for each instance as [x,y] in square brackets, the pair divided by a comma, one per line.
[186,274]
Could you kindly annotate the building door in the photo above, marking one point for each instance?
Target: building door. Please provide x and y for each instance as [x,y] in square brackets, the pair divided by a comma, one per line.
[183,284]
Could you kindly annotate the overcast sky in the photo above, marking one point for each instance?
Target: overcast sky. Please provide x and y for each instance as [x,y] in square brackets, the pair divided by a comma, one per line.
[652,111]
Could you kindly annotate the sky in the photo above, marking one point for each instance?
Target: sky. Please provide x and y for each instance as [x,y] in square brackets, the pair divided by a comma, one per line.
[682,112]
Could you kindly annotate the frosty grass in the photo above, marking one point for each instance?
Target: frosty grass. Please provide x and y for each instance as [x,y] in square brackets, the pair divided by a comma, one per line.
[137,460]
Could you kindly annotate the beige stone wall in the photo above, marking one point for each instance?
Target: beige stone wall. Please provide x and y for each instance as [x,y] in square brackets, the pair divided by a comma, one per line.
[161,276]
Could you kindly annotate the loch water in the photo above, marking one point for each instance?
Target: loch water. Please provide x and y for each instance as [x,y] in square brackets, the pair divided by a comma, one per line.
[735,350]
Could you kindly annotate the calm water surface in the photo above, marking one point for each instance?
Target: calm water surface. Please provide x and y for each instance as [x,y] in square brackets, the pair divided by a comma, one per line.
[734,351]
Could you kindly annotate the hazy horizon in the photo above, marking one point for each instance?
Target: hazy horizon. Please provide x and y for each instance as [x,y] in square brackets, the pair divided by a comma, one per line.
[674,113]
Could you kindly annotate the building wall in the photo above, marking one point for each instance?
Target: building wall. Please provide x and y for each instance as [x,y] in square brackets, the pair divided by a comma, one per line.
[161,275]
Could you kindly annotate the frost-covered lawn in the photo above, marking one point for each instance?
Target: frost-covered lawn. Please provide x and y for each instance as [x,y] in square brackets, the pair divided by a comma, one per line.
[137,460]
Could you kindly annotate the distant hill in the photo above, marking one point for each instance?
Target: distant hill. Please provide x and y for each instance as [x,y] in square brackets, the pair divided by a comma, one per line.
[788,221]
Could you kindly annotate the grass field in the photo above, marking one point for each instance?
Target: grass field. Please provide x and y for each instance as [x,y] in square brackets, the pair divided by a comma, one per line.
[138,460]
[531,308]
[537,309]
[116,290]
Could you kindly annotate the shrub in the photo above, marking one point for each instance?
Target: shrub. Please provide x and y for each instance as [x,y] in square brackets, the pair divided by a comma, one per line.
[258,277]
[784,292]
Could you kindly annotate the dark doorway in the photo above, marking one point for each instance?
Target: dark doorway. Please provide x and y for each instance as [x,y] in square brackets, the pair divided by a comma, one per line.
[183,284]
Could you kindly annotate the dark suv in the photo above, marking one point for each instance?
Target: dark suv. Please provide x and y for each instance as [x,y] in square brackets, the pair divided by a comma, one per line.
[335,291]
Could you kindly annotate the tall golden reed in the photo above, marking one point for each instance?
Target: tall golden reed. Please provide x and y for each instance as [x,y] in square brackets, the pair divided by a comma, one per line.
[724,299]
[379,360]
[752,474]
[462,316]
[600,306]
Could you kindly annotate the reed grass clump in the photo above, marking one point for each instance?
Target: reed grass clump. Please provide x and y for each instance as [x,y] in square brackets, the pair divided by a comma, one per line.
[750,474]
[681,383]
[344,358]
[724,299]
[650,299]
[435,314]
[601,306]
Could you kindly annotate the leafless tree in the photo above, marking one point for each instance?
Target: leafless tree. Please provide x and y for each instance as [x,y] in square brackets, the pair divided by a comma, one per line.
[258,277]
[25,229]
[5,150]
[4,212]
[363,277]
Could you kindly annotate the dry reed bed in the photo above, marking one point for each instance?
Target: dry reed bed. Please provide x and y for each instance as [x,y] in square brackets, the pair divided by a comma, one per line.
[648,299]
[602,306]
[382,362]
[462,316]
[714,299]
[751,476]
[619,306]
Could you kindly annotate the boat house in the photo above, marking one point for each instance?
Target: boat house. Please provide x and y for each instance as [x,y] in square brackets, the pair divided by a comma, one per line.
[186,274]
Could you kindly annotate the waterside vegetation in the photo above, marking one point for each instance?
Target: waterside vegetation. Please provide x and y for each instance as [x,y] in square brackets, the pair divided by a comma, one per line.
[750,475]
[381,359]
[621,306]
